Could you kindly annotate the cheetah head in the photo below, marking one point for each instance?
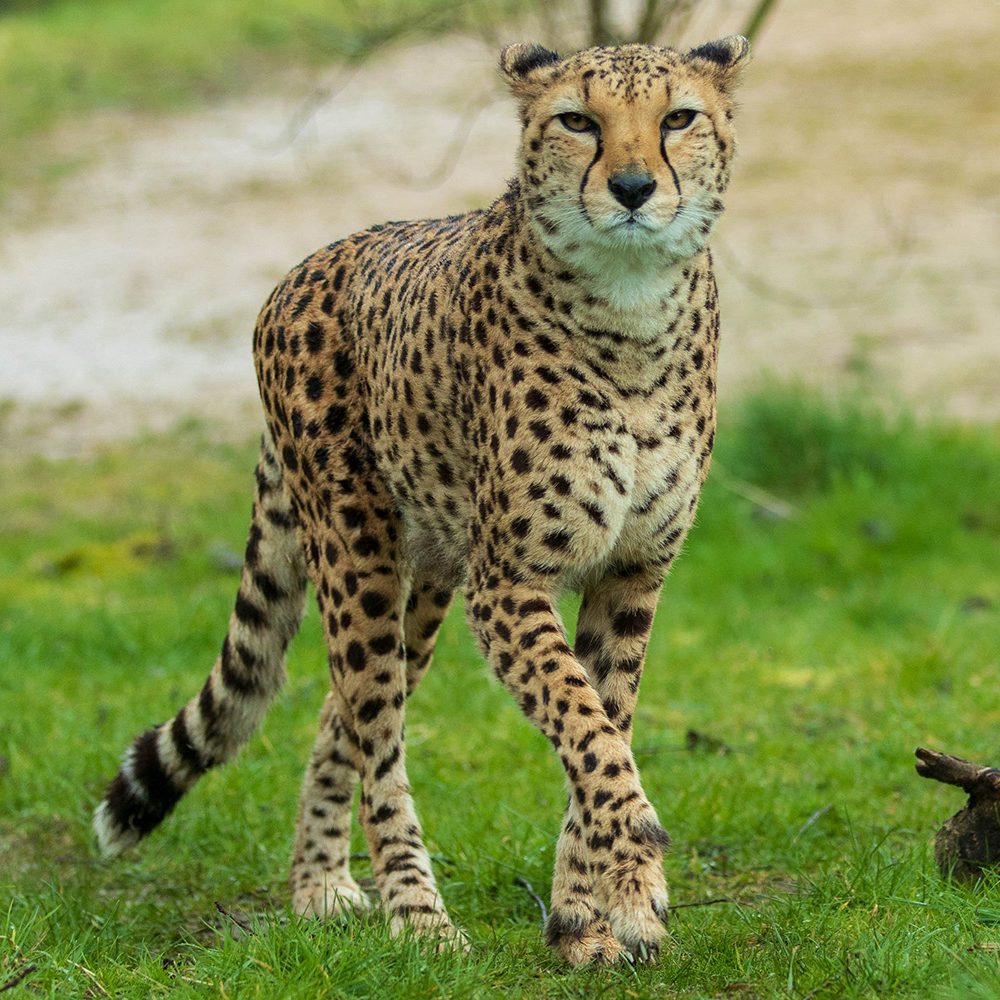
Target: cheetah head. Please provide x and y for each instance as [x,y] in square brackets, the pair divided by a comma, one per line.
[625,150]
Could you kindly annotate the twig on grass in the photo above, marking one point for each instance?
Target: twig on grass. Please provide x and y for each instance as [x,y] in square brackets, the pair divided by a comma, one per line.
[240,921]
[18,977]
[818,814]
[705,902]
[527,886]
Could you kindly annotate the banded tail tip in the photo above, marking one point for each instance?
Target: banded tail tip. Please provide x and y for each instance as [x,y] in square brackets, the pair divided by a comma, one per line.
[112,838]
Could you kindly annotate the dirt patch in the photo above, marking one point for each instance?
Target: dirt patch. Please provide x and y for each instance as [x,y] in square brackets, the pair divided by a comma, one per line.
[863,232]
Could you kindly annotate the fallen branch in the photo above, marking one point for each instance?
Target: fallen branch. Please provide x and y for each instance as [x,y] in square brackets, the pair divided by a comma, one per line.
[969,842]
[702,902]
[240,921]
[18,977]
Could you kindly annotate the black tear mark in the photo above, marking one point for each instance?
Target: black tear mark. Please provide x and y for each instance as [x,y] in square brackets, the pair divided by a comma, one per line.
[670,166]
[586,175]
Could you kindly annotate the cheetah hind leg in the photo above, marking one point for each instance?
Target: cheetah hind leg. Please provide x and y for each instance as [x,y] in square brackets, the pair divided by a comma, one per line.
[322,884]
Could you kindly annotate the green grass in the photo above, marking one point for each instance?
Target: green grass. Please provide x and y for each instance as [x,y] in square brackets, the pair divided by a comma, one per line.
[67,57]
[818,649]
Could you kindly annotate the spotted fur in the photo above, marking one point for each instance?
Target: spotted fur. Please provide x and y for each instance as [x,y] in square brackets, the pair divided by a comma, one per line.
[516,401]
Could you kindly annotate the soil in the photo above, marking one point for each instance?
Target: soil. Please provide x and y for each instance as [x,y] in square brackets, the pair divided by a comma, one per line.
[862,240]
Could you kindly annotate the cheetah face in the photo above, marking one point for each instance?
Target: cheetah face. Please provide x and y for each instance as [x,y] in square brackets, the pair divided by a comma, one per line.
[625,149]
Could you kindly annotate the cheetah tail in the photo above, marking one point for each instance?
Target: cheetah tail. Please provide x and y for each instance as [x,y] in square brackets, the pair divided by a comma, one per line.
[166,761]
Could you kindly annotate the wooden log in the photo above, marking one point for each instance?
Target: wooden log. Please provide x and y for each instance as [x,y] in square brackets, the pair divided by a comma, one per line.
[969,843]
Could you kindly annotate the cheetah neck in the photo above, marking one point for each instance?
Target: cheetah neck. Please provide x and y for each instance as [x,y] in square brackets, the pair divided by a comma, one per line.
[636,291]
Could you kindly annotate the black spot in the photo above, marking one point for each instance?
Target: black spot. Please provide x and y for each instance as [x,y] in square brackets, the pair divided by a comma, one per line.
[382,644]
[367,545]
[356,656]
[536,399]
[336,417]
[314,337]
[186,749]
[370,709]
[558,541]
[374,604]
[633,621]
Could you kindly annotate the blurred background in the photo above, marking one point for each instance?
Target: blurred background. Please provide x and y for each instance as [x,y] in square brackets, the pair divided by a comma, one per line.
[163,164]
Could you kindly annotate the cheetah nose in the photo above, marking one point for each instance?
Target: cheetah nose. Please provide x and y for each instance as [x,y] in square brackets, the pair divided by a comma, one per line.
[632,189]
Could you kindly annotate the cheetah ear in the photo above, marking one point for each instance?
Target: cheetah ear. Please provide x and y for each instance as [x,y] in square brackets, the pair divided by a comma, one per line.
[723,60]
[523,66]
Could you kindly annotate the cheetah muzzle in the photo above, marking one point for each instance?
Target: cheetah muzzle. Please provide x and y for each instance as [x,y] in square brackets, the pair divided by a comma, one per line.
[519,401]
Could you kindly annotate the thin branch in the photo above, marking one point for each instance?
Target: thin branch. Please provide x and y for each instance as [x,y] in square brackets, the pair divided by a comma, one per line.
[757,18]
[657,14]
[376,37]
[705,902]
[18,977]
[310,106]
[240,922]
[526,885]
[449,161]
[600,33]
[817,815]
[651,21]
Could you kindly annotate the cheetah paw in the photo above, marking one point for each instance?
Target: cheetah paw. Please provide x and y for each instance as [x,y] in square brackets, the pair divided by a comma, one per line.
[639,926]
[579,942]
[329,898]
[434,925]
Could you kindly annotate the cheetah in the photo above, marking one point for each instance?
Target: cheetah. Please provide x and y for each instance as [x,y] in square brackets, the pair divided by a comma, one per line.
[517,401]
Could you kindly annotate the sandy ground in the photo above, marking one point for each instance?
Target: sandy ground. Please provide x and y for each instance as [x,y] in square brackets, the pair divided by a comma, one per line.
[862,238]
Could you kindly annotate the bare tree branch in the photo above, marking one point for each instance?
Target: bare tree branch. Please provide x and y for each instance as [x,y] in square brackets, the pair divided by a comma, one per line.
[650,21]
[449,161]
[757,18]
[600,30]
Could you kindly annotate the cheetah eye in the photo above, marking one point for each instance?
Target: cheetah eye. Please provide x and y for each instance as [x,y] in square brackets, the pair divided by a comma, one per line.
[576,122]
[679,119]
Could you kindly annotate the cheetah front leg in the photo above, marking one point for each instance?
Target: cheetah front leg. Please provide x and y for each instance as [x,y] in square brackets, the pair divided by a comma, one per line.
[612,632]
[519,631]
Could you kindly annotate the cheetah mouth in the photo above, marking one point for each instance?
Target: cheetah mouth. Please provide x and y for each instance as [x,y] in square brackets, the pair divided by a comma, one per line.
[630,222]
